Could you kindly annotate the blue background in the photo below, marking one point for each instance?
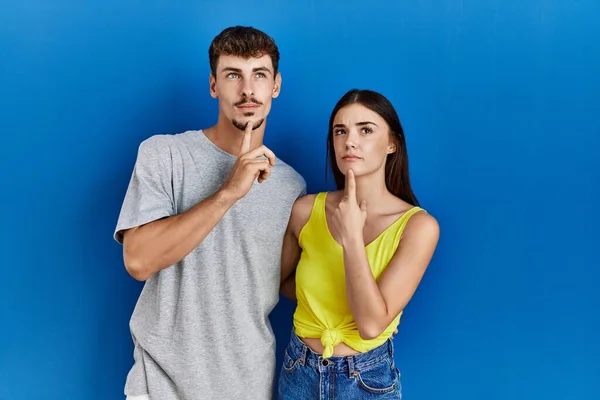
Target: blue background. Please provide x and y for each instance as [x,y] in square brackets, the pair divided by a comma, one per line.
[499,100]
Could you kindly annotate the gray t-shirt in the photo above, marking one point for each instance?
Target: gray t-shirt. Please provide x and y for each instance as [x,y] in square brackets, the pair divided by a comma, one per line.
[200,327]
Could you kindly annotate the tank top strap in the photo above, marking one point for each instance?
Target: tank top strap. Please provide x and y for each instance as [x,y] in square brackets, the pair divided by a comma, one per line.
[411,212]
[317,219]
[403,221]
[316,226]
[318,211]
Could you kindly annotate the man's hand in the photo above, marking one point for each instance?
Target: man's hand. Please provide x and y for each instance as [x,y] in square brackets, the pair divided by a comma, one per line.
[248,167]
[349,217]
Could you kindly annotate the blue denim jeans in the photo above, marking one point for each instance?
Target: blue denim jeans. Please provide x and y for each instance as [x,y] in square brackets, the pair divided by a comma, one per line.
[305,375]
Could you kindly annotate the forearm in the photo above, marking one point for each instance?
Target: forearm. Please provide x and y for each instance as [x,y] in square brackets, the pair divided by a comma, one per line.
[288,288]
[364,297]
[160,244]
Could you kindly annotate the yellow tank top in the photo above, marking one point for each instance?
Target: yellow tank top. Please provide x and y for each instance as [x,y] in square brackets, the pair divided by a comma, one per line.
[323,311]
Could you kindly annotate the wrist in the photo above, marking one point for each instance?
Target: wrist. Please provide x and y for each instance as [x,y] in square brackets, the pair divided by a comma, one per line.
[225,197]
[354,240]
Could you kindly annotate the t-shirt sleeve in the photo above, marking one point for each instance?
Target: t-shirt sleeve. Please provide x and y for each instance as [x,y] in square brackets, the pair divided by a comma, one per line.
[149,196]
[303,190]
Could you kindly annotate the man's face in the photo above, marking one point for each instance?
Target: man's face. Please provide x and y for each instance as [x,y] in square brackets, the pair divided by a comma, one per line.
[245,89]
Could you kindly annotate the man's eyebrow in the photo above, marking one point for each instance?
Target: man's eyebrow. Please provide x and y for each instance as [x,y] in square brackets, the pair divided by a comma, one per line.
[261,69]
[238,70]
[230,69]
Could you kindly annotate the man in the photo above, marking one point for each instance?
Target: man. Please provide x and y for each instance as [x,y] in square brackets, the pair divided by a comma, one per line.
[202,224]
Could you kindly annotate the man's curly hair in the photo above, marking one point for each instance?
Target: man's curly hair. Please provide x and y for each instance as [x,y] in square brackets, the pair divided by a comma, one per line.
[242,41]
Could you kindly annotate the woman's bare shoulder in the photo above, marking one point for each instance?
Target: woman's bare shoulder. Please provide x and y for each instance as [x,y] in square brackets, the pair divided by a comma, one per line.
[301,212]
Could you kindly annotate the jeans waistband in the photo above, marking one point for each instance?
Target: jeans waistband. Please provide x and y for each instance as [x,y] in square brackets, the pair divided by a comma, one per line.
[342,364]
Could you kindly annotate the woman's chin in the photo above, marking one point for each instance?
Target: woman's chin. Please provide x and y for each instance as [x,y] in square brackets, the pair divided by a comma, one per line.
[344,168]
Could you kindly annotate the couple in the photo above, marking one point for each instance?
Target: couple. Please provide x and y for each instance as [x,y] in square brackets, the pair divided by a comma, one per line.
[217,226]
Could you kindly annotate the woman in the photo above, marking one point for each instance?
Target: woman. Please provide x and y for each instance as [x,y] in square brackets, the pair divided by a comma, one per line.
[353,259]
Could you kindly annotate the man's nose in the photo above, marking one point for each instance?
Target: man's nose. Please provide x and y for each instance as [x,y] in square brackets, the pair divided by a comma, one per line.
[247,89]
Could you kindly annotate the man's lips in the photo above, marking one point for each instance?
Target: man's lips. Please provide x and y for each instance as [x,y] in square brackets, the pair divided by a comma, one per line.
[248,105]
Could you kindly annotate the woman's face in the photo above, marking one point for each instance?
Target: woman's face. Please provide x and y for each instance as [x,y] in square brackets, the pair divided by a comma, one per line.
[361,140]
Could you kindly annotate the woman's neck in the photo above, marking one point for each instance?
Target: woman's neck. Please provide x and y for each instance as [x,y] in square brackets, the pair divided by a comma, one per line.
[371,189]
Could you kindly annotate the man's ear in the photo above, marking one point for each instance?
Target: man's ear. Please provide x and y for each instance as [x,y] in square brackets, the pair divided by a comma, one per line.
[212,83]
[277,86]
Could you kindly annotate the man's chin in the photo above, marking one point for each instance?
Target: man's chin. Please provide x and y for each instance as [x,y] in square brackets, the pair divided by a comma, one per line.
[242,124]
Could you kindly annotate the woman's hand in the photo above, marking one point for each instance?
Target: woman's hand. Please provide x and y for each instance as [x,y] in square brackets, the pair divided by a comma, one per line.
[349,217]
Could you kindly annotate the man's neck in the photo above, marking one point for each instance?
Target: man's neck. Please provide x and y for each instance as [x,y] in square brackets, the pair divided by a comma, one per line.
[229,138]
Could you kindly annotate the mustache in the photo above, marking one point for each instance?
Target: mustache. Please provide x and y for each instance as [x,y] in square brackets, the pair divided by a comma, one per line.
[247,100]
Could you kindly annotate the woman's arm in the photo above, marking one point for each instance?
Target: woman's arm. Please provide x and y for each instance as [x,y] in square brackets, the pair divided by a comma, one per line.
[375,304]
[288,288]
[290,254]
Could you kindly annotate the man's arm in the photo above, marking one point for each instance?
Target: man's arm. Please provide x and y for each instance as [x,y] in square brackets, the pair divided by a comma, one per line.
[151,247]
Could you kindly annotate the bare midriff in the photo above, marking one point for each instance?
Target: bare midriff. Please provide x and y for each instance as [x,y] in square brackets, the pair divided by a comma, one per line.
[341,350]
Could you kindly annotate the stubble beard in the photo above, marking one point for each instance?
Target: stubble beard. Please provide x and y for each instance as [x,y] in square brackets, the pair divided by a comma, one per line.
[242,125]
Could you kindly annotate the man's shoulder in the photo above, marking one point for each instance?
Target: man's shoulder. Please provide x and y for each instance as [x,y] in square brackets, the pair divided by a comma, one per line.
[164,145]
[289,173]
[167,140]
[286,168]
